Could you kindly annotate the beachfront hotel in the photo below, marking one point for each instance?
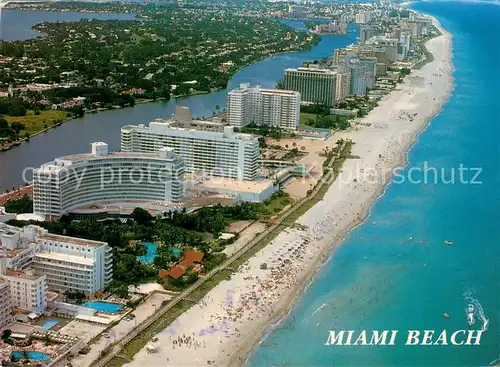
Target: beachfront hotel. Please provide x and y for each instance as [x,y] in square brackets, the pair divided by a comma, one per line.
[361,70]
[315,85]
[271,107]
[84,180]
[73,264]
[66,263]
[213,153]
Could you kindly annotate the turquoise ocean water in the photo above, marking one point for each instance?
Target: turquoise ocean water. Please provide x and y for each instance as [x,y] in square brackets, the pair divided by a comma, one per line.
[394,271]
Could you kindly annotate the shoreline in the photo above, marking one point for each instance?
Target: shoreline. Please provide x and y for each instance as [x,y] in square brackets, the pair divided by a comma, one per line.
[330,249]
[237,314]
[315,39]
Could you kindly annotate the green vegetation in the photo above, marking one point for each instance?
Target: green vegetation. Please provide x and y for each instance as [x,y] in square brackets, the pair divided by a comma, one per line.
[316,108]
[36,120]
[307,118]
[265,132]
[9,132]
[318,115]
[137,343]
[12,107]
[311,24]
[174,229]
[76,296]
[428,55]
[19,206]
[6,335]
[169,50]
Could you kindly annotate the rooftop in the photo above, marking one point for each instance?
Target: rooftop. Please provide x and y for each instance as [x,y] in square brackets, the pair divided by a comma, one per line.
[246,86]
[67,258]
[311,70]
[193,256]
[68,160]
[72,240]
[28,274]
[123,207]
[255,186]
[170,126]
[176,272]
[13,253]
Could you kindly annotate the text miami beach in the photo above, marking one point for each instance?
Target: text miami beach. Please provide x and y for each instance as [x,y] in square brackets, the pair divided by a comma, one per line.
[412,337]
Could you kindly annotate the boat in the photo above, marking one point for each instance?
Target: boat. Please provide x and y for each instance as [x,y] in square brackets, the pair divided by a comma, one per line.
[446,316]
[449,243]
[470,314]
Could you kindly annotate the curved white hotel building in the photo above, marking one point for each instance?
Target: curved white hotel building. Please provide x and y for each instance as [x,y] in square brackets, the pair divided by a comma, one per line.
[83,179]
[224,154]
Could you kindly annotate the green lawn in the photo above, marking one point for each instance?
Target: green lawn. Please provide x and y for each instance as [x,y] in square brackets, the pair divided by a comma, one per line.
[274,205]
[305,117]
[35,123]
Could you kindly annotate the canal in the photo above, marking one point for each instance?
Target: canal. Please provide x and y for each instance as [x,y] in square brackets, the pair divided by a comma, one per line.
[76,135]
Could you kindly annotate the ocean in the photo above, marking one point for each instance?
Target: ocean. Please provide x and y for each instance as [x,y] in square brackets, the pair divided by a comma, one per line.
[395,271]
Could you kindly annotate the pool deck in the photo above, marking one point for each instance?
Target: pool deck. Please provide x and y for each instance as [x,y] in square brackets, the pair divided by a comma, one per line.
[117,332]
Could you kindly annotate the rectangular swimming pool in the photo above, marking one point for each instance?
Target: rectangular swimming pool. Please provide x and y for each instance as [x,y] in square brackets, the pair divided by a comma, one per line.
[36,356]
[48,324]
[103,306]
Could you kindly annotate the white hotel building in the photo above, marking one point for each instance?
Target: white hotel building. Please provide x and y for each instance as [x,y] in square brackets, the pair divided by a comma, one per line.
[73,264]
[83,179]
[271,107]
[28,289]
[65,263]
[224,154]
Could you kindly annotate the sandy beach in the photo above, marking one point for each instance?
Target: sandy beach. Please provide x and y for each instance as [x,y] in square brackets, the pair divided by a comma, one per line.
[224,326]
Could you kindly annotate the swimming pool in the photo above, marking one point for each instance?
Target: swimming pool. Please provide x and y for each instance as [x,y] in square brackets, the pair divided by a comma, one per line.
[103,306]
[177,252]
[49,324]
[151,249]
[36,356]
[150,254]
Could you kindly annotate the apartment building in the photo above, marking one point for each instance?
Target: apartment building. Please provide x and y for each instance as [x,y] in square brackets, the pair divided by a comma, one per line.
[367,32]
[364,17]
[271,107]
[315,85]
[214,153]
[343,86]
[391,46]
[361,70]
[100,176]
[369,64]
[66,263]
[28,289]
[5,304]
